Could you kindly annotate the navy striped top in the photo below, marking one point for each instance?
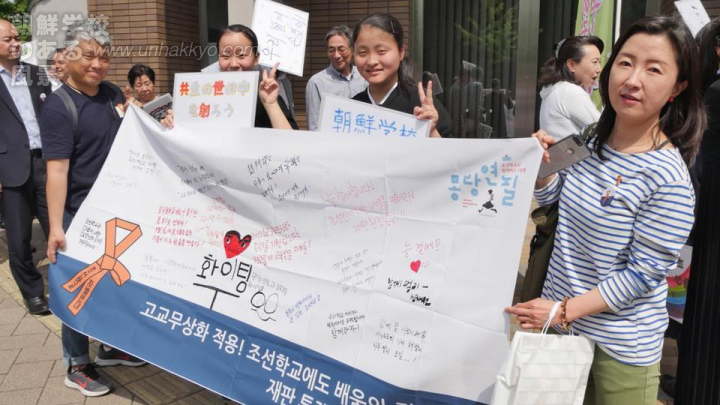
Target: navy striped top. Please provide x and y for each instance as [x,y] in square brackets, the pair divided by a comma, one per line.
[622,223]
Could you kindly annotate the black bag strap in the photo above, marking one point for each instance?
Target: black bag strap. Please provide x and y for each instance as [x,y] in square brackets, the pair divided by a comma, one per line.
[285,82]
[70,105]
[589,132]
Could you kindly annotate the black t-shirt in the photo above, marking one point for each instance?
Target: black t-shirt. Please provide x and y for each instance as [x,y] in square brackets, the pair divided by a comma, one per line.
[398,101]
[87,149]
[262,119]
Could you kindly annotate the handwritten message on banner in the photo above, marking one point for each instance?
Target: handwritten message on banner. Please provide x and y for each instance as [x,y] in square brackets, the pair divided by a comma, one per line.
[274,268]
[282,35]
[202,99]
[345,116]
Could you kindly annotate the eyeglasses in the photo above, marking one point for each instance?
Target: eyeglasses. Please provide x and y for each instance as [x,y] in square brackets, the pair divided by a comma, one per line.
[341,50]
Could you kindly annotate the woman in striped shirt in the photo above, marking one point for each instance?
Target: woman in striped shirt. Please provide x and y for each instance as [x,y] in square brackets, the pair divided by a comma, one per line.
[626,211]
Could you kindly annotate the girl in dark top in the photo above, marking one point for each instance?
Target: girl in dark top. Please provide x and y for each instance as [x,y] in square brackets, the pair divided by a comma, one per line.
[380,58]
[238,50]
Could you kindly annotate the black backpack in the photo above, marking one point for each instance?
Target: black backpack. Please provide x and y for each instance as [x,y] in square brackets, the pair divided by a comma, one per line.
[69,104]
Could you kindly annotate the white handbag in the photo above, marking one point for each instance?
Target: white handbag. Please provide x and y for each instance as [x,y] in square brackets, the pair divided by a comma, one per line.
[544,369]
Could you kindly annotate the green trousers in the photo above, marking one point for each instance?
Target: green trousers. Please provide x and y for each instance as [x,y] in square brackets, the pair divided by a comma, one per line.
[614,383]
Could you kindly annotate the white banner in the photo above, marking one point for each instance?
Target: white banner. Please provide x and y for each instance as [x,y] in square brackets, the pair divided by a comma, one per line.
[346,116]
[282,35]
[380,266]
[226,98]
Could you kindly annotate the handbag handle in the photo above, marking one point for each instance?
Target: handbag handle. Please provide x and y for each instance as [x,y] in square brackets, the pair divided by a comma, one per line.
[553,311]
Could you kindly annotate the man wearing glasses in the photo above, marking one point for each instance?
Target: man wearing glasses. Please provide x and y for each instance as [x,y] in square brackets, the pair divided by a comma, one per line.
[341,78]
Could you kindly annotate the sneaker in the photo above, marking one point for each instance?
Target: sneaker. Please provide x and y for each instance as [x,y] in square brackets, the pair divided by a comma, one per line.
[88,381]
[108,356]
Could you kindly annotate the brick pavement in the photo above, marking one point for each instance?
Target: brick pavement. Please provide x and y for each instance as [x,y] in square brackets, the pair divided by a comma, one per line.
[31,370]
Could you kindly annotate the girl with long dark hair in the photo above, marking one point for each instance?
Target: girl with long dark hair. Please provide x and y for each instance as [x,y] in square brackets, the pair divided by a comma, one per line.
[238,52]
[380,59]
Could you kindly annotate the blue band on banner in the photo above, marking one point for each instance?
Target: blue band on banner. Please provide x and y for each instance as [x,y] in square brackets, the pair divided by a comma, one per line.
[222,354]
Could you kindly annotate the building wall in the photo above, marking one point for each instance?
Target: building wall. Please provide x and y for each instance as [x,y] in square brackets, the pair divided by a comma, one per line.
[238,12]
[159,33]
[324,14]
[712,7]
[57,8]
[49,40]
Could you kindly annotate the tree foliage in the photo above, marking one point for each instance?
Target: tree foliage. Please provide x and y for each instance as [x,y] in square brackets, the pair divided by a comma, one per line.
[17,12]
[498,32]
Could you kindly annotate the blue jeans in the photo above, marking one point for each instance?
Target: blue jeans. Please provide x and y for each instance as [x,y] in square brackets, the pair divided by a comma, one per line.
[75,344]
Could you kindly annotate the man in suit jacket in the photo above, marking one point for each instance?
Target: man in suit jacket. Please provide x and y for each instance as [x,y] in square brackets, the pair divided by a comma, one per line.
[22,170]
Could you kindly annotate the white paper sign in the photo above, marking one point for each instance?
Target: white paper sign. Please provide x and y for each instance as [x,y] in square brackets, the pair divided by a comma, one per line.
[360,254]
[159,107]
[282,34]
[693,13]
[216,98]
[346,116]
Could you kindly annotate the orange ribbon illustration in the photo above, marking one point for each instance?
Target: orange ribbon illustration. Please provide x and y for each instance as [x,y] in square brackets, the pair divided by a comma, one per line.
[89,277]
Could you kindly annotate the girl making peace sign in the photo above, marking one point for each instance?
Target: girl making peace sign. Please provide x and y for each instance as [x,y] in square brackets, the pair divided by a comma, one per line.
[380,59]
[238,52]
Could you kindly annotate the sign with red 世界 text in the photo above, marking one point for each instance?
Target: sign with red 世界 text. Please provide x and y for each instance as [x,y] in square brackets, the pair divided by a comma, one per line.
[206,99]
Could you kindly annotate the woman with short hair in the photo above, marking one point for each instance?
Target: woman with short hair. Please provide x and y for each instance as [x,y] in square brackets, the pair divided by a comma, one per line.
[142,81]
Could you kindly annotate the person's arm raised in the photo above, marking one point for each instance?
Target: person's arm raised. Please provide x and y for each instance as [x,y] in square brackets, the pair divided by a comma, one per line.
[546,141]
[269,91]
[427,110]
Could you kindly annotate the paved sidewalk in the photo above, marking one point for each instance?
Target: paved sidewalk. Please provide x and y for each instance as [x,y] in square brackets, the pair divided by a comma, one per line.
[31,370]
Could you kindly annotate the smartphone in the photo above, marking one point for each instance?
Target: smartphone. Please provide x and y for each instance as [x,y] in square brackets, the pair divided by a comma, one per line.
[564,153]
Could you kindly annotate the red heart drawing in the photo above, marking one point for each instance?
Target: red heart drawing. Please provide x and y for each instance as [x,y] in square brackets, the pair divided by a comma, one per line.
[234,244]
[415,266]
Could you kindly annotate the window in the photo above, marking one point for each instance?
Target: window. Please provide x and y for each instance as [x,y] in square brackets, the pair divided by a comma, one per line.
[477,41]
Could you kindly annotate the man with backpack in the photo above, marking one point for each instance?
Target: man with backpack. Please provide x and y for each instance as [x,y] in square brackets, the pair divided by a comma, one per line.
[78,124]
